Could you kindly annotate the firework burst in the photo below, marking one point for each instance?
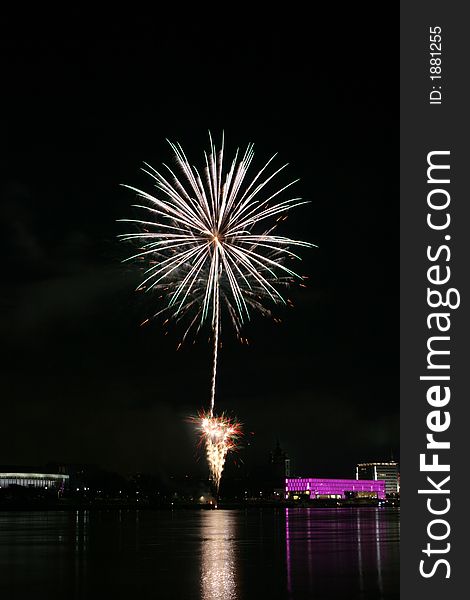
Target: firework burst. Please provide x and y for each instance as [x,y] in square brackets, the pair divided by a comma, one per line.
[219,436]
[207,241]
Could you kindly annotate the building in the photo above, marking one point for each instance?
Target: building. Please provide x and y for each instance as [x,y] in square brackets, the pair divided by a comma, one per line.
[334,488]
[31,478]
[279,469]
[279,463]
[388,471]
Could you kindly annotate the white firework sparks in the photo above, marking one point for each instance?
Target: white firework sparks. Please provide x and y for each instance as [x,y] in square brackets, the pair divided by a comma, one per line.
[219,435]
[208,240]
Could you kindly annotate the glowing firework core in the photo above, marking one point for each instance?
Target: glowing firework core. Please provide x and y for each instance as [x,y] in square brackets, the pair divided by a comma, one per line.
[220,435]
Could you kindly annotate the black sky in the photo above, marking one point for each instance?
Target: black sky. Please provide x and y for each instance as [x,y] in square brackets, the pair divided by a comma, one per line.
[82,109]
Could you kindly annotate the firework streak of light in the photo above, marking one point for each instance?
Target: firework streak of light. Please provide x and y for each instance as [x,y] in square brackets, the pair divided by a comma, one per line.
[219,434]
[207,240]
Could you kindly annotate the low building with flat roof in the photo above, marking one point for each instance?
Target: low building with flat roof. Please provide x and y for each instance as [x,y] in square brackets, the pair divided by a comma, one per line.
[31,478]
[334,488]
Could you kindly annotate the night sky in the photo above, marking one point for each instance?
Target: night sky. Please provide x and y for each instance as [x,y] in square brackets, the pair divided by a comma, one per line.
[84,105]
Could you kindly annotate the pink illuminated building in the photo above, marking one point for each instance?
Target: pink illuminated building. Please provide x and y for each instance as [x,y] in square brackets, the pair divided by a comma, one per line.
[334,488]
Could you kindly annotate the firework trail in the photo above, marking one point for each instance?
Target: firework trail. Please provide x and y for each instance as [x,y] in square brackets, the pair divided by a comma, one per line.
[206,239]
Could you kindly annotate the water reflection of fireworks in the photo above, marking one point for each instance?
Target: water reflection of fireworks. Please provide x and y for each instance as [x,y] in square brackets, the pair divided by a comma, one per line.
[219,560]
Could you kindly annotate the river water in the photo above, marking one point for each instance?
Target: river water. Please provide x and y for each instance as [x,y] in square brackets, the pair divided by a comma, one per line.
[291,554]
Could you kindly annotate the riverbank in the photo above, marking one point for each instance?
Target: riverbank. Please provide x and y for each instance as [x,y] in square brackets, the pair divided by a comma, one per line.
[70,504]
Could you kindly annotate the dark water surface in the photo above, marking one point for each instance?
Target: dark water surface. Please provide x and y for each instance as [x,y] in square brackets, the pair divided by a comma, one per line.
[291,553]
